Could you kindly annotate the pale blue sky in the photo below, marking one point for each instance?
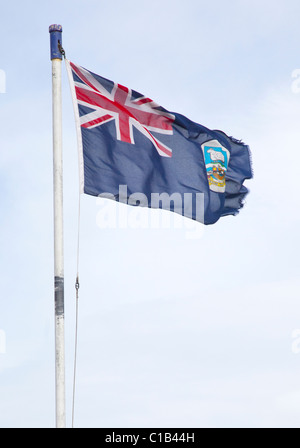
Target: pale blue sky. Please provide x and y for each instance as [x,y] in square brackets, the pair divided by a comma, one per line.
[173,331]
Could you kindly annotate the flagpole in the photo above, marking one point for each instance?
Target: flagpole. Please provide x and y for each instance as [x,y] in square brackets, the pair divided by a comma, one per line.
[56,58]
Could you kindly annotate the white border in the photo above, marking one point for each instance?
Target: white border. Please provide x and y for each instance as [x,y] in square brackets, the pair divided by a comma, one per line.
[78,127]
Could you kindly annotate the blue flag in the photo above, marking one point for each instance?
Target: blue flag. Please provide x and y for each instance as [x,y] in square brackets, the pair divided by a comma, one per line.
[134,151]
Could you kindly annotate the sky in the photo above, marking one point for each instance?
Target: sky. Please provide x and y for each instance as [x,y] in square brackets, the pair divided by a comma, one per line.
[180,325]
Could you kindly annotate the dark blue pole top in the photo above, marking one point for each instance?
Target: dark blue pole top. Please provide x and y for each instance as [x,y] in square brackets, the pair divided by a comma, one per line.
[55,37]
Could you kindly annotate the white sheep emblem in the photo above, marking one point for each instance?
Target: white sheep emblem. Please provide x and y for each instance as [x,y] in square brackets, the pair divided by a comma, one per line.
[216,155]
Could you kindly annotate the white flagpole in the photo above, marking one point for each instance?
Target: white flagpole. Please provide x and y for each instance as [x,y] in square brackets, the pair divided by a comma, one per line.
[56,57]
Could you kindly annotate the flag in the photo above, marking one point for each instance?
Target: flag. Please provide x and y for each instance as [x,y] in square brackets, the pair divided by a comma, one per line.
[134,151]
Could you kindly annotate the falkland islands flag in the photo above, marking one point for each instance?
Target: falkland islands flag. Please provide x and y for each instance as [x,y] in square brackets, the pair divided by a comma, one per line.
[134,151]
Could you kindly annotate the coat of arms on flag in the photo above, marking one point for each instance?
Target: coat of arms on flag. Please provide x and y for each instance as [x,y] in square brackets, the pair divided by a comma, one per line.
[216,159]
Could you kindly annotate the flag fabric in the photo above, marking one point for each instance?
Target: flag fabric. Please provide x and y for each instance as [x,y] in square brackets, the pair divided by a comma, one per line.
[132,150]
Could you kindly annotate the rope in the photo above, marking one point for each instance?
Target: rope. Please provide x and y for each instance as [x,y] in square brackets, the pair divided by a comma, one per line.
[61,50]
[76,321]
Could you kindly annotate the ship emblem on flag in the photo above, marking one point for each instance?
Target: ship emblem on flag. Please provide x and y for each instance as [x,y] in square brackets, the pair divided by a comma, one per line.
[120,106]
